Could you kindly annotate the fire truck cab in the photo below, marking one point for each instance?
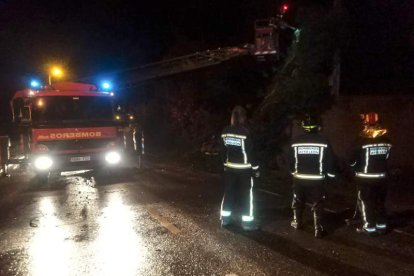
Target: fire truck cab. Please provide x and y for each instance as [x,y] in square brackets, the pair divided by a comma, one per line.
[68,126]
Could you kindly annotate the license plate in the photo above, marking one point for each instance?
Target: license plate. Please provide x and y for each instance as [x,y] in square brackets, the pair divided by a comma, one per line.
[80,158]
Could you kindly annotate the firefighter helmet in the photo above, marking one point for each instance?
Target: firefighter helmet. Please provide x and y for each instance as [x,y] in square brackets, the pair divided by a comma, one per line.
[310,124]
[371,125]
[238,116]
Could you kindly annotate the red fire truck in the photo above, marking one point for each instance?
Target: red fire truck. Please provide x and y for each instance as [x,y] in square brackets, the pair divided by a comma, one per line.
[69,126]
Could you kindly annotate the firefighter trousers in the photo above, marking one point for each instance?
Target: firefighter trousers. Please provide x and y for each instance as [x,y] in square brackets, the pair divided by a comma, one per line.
[308,191]
[371,201]
[238,192]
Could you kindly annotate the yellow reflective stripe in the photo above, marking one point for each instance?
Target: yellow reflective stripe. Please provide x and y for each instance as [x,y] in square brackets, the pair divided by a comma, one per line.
[308,176]
[237,165]
[320,161]
[244,152]
[233,135]
[366,160]
[251,197]
[369,229]
[377,145]
[381,226]
[309,144]
[364,216]
[296,159]
[224,213]
[370,175]
[247,218]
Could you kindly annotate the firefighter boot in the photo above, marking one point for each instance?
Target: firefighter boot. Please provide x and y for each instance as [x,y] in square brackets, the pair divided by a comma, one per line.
[226,221]
[317,218]
[296,222]
[381,228]
[367,229]
[381,225]
[249,226]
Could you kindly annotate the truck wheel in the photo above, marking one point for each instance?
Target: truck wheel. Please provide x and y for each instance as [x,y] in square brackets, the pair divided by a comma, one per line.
[42,178]
[54,175]
[105,172]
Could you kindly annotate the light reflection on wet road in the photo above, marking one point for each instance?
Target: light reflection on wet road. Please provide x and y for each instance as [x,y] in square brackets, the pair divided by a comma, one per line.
[49,252]
[152,223]
[109,234]
[119,248]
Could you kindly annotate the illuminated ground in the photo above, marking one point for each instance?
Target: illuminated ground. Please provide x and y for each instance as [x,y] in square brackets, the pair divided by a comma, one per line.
[163,220]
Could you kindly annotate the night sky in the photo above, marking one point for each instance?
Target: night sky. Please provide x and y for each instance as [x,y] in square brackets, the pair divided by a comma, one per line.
[380,54]
[93,36]
[90,37]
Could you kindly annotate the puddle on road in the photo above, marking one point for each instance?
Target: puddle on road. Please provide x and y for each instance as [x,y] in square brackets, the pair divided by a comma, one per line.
[106,243]
[77,225]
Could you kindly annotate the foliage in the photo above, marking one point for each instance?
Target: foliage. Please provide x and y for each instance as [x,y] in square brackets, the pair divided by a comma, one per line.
[302,84]
[192,119]
[196,106]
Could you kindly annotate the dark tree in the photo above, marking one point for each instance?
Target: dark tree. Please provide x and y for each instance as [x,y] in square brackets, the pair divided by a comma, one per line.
[303,82]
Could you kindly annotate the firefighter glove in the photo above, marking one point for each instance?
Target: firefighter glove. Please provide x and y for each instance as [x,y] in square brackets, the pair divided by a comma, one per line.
[256,173]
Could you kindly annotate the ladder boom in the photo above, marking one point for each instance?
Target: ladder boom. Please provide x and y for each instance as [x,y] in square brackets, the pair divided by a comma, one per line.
[134,76]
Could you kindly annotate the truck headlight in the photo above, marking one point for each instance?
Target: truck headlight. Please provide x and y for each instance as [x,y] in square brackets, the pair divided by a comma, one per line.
[43,163]
[113,157]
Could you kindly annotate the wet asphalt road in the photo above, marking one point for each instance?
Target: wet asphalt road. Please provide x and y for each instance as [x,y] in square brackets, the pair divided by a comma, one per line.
[163,220]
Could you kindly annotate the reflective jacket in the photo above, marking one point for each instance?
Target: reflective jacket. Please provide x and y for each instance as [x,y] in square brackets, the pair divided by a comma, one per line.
[311,157]
[237,148]
[370,157]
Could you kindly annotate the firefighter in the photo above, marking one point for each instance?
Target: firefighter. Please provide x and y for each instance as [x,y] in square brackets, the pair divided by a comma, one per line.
[369,163]
[311,164]
[239,169]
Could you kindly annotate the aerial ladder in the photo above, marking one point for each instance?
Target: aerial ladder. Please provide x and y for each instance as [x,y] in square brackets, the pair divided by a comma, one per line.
[134,76]
[266,46]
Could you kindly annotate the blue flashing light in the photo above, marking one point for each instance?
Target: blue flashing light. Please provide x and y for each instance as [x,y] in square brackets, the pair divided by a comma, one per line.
[106,85]
[35,84]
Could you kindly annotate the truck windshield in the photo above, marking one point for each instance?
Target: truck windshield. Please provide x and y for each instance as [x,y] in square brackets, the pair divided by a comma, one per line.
[72,109]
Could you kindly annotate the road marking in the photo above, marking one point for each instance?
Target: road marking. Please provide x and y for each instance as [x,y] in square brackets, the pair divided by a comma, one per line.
[271,193]
[165,223]
[403,233]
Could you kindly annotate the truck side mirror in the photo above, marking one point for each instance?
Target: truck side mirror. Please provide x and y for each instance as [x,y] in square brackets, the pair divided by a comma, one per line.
[26,114]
